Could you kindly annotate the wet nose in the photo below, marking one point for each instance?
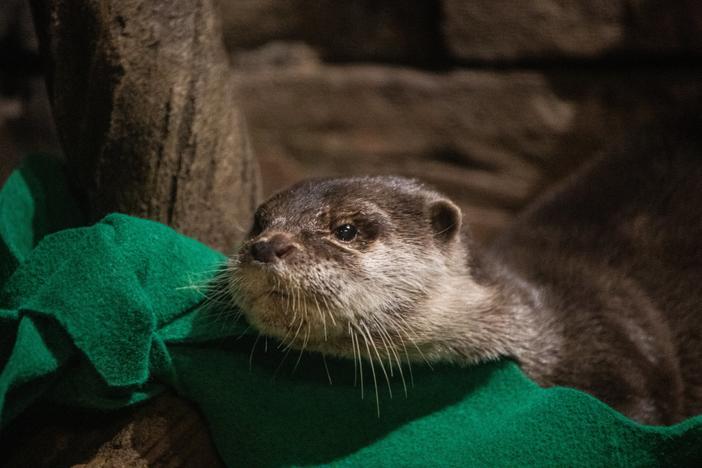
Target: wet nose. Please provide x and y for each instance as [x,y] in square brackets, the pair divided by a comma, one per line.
[277,247]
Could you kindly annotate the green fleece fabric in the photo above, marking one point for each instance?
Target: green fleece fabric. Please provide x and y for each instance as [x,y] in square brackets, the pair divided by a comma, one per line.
[111,314]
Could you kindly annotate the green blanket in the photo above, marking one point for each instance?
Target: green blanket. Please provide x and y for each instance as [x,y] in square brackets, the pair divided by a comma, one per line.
[111,314]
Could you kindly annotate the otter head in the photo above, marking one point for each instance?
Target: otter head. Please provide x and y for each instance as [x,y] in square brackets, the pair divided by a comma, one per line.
[330,260]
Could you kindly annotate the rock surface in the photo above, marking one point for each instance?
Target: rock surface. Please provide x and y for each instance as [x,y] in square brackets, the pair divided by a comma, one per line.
[514,30]
[386,30]
[491,140]
[165,432]
[448,31]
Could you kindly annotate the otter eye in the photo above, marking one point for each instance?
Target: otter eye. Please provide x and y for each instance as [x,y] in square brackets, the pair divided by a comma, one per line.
[346,232]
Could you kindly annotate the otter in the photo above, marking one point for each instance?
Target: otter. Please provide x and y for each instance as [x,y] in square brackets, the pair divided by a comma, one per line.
[597,285]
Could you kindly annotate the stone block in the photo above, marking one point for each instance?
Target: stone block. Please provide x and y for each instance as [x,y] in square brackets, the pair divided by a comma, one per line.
[516,30]
[490,139]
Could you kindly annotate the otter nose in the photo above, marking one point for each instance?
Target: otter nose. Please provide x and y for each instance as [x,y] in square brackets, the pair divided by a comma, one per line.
[267,251]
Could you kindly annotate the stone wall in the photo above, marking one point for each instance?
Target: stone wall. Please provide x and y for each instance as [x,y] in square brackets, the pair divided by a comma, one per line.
[490,100]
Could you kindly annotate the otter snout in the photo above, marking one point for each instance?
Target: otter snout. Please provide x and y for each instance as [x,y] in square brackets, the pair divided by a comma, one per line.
[272,249]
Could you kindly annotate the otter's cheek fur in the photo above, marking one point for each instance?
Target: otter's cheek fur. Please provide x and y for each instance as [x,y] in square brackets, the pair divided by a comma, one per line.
[392,280]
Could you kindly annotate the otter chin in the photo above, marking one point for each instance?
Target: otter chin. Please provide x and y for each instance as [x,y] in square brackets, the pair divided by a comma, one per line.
[596,286]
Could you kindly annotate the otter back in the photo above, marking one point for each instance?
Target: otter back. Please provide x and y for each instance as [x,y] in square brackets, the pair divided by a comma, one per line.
[617,253]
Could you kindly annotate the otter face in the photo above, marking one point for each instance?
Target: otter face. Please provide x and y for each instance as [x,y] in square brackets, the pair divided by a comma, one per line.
[328,259]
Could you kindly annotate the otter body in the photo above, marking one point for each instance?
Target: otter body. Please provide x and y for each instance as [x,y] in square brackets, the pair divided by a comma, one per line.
[597,286]
[615,254]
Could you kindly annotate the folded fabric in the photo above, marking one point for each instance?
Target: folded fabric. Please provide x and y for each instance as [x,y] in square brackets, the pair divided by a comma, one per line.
[111,314]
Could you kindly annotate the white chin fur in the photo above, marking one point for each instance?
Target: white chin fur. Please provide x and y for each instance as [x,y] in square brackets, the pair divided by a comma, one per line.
[305,316]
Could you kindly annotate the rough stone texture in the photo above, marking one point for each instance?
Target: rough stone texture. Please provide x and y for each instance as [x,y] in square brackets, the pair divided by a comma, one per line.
[437,32]
[165,432]
[515,30]
[144,108]
[385,30]
[490,140]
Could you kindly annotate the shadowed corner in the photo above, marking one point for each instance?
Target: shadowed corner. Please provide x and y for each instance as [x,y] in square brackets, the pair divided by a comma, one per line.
[34,202]
[54,206]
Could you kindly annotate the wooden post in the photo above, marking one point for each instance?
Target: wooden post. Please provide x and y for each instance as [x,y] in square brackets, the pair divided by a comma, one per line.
[146,113]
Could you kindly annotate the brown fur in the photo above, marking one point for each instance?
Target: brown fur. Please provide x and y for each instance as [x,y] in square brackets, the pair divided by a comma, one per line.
[617,255]
[596,286]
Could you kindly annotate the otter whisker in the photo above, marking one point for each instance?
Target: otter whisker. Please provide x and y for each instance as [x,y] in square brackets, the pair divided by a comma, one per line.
[380,360]
[322,316]
[389,344]
[404,348]
[326,368]
[326,305]
[406,327]
[354,337]
[209,317]
[304,345]
[282,361]
[375,380]
[386,342]
[213,290]
[287,331]
[205,278]
[292,341]
[209,291]
[353,349]
[208,302]
[409,364]
[290,303]
[207,272]
[331,316]
[243,333]
[292,322]
[301,303]
[293,299]
[289,293]
[297,295]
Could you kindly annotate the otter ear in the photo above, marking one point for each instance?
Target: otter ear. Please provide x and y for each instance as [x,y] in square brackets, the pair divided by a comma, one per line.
[445,219]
